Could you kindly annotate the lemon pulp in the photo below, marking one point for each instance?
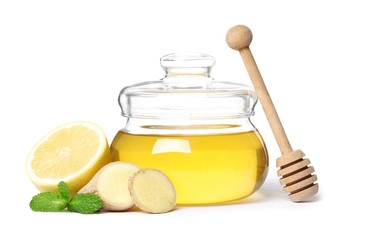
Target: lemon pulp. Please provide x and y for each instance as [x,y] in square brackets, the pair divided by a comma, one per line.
[72,153]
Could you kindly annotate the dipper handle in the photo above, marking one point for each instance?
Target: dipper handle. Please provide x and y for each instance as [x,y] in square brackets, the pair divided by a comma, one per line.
[294,171]
[239,38]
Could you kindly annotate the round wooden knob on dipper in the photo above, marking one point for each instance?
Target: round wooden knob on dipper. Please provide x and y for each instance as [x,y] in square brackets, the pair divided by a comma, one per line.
[294,171]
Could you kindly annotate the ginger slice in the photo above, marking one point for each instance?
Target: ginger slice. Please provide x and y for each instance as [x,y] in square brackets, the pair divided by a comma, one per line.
[111,185]
[152,191]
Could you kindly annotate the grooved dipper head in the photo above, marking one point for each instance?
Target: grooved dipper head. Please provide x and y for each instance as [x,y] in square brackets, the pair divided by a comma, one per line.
[297,177]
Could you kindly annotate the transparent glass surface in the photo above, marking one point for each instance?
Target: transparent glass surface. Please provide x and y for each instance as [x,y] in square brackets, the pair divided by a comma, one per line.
[187,91]
[195,129]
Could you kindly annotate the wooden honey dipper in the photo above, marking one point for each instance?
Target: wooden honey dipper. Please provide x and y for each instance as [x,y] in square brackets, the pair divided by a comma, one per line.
[294,171]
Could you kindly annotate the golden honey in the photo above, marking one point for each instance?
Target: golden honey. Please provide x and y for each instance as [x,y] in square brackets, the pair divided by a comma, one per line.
[203,168]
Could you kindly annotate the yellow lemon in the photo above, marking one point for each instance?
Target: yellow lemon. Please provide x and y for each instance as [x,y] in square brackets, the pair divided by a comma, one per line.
[73,153]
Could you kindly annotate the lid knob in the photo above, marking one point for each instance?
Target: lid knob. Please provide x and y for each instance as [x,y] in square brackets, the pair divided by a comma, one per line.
[187,63]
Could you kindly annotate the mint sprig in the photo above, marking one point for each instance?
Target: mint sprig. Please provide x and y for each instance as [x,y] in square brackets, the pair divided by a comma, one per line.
[54,202]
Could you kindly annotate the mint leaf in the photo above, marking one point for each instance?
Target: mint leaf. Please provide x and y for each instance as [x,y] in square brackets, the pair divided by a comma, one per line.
[48,202]
[85,203]
[63,190]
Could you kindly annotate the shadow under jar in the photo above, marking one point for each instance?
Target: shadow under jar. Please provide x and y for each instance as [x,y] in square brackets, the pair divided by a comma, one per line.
[194,129]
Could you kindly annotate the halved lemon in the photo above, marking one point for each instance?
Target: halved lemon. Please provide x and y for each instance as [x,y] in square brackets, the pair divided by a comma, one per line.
[73,153]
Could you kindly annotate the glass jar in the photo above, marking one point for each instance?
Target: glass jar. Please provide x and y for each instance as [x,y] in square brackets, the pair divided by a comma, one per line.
[195,129]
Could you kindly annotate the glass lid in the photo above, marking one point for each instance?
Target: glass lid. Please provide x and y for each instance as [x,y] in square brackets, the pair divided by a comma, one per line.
[187,91]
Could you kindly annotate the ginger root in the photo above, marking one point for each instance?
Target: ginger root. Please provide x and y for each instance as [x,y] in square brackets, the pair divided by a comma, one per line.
[111,185]
[152,191]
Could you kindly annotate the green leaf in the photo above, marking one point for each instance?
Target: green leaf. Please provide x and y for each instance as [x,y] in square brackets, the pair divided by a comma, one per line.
[63,190]
[48,202]
[85,203]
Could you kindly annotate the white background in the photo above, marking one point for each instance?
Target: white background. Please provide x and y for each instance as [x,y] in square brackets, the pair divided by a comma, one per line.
[63,61]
